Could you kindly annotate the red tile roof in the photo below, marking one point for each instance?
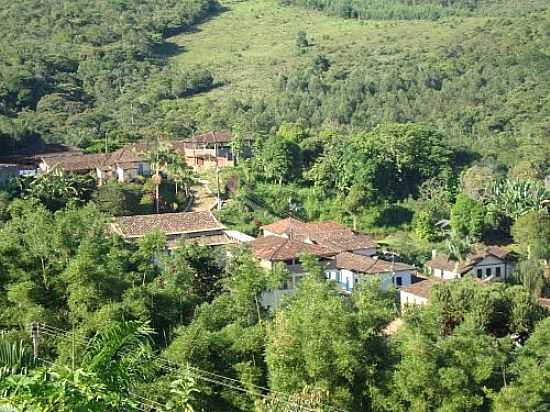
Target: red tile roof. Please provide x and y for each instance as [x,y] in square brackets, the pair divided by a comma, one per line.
[330,234]
[545,302]
[77,162]
[212,137]
[284,226]
[275,248]
[423,288]
[369,265]
[167,223]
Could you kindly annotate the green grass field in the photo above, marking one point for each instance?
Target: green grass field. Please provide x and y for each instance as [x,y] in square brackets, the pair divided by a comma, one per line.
[250,43]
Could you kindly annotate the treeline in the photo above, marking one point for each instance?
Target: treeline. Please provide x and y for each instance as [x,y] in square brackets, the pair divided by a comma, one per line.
[390,9]
[73,72]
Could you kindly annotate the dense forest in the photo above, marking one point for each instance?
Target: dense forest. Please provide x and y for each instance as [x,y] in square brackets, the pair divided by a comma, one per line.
[437,141]
[73,72]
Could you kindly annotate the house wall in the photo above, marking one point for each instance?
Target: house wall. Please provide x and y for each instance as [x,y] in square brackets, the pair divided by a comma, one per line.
[347,279]
[444,274]
[407,298]
[488,268]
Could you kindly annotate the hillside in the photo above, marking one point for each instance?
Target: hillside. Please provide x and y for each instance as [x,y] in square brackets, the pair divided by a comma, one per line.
[478,76]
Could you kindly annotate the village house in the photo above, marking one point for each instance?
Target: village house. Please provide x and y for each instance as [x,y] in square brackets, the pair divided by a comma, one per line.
[209,150]
[351,269]
[200,152]
[418,293]
[200,228]
[493,263]
[272,250]
[27,161]
[329,234]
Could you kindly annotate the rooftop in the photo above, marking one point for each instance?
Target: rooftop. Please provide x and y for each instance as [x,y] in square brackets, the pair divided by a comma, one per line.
[330,234]
[423,288]
[212,137]
[364,264]
[275,248]
[167,223]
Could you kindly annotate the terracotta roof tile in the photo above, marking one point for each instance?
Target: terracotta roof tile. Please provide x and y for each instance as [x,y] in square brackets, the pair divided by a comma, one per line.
[284,226]
[330,234]
[77,162]
[212,137]
[275,248]
[423,288]
[167,223]
[369,265]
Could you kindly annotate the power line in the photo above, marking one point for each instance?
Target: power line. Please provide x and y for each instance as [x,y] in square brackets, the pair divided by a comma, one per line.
[230,383]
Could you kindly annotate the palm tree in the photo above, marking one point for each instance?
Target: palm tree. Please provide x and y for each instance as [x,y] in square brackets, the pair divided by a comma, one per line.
[180,173]
[159,158]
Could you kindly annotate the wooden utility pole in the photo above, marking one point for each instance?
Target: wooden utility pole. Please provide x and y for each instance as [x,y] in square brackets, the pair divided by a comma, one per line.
[218,186]
[35,335]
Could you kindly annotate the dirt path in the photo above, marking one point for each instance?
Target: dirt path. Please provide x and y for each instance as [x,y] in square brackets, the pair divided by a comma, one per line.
[204,199]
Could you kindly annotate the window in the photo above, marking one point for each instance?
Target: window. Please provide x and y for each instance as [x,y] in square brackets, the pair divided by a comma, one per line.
[497,271]
[480,273]
[488,272]
[338,277]
[356,281]
[398,281]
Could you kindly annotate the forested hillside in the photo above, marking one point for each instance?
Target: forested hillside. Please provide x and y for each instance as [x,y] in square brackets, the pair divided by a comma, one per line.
[421,126]
[70,71]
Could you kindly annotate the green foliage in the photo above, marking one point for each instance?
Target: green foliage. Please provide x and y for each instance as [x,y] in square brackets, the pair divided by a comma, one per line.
[281,159]
[321,342]
[530,373]
[532,232]
[391,9]
[77,73]
[57,189]
[467,217]
[118,199]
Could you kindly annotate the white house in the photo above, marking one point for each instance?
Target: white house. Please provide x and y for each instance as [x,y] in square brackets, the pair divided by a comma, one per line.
[493,263]
[350,269]
[418,293]
[272,250]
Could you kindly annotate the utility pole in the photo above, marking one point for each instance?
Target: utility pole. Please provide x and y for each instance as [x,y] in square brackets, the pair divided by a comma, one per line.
[35,335]
[218,185]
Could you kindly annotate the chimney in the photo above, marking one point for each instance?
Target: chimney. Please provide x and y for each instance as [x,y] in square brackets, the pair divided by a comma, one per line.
[434,253]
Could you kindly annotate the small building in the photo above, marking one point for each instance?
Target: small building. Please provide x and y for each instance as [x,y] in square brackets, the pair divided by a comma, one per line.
[185,227]
[208,150]
[76,163]
[351,269]
[418,293]
[329,234]
[493,263]
[271,250]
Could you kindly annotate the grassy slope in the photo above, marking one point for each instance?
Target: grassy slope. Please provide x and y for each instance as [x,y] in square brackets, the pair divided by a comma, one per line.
[253,41]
